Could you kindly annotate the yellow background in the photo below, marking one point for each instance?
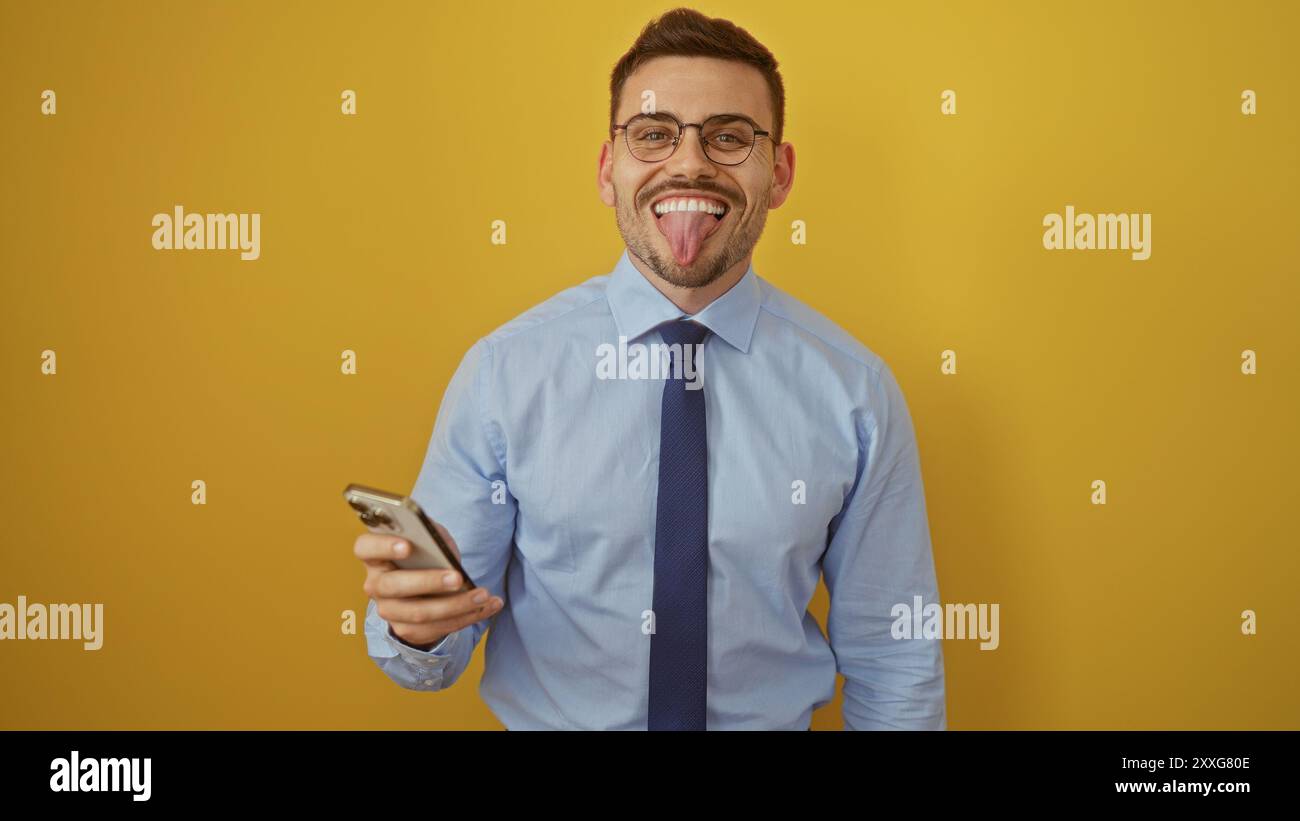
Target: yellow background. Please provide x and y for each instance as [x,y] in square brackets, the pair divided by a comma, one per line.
[924,234]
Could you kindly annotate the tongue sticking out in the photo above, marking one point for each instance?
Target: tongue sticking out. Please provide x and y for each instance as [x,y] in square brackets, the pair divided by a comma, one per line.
[686,231]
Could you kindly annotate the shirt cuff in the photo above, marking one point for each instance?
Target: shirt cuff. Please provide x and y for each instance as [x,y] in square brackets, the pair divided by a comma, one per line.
[439,652]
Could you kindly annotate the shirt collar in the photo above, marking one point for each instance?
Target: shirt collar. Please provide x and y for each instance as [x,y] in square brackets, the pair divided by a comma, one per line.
[638,306]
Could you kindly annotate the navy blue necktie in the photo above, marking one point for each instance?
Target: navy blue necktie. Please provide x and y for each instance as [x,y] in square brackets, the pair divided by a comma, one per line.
[678,647]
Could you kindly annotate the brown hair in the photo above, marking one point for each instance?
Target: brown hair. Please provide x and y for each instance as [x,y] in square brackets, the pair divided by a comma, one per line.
[687,33]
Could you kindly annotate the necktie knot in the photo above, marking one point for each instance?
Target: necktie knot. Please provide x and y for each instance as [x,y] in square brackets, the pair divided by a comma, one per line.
[683,332]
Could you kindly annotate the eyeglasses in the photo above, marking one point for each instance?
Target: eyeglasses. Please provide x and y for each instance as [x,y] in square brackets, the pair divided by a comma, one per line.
[728,139]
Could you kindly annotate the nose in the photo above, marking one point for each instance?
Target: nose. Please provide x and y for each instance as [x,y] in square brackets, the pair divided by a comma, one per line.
[689,160]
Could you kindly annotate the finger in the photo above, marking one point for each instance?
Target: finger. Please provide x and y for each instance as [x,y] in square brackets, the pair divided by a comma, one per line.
[401,583]
[380,546]
[450,580]
[442,626]
[375,569]
[426,609]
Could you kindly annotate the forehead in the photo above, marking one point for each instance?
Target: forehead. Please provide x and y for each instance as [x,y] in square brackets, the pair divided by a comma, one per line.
[696,87]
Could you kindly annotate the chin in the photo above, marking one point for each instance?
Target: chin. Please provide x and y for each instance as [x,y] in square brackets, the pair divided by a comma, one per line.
[706,269]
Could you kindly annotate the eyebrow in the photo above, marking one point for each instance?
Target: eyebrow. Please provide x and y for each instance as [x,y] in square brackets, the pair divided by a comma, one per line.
[730,114]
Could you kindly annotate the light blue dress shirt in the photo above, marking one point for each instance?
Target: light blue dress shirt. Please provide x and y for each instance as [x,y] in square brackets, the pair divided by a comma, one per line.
[547,476]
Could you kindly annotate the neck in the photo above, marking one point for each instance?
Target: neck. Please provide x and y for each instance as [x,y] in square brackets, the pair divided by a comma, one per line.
[694,300]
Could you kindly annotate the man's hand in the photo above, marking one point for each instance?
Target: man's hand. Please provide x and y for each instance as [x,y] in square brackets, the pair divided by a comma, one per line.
[421,605]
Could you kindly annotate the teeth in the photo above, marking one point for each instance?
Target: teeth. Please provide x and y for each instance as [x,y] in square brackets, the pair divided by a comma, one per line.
[690,204]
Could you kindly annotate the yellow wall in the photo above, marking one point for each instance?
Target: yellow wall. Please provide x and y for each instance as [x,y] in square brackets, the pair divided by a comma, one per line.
[924,234]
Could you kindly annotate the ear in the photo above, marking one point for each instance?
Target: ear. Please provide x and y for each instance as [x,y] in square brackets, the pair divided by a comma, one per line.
[782,175]
[605,173]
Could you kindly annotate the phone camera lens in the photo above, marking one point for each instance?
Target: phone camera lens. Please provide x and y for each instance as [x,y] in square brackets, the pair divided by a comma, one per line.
[372,516]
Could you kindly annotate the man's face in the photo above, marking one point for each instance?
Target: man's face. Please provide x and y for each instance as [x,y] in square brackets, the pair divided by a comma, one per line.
[693,249]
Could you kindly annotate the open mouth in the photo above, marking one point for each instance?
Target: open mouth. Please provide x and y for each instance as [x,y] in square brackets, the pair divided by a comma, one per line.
[686,222]
[708,205]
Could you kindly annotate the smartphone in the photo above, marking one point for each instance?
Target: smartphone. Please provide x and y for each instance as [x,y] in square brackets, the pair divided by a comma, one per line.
[391,514]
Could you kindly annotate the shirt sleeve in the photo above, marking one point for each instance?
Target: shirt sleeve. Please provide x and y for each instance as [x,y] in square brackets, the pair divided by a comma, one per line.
[462,486]
[879,556]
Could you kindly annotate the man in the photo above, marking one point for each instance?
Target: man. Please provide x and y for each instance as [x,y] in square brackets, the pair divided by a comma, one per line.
[651,530]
